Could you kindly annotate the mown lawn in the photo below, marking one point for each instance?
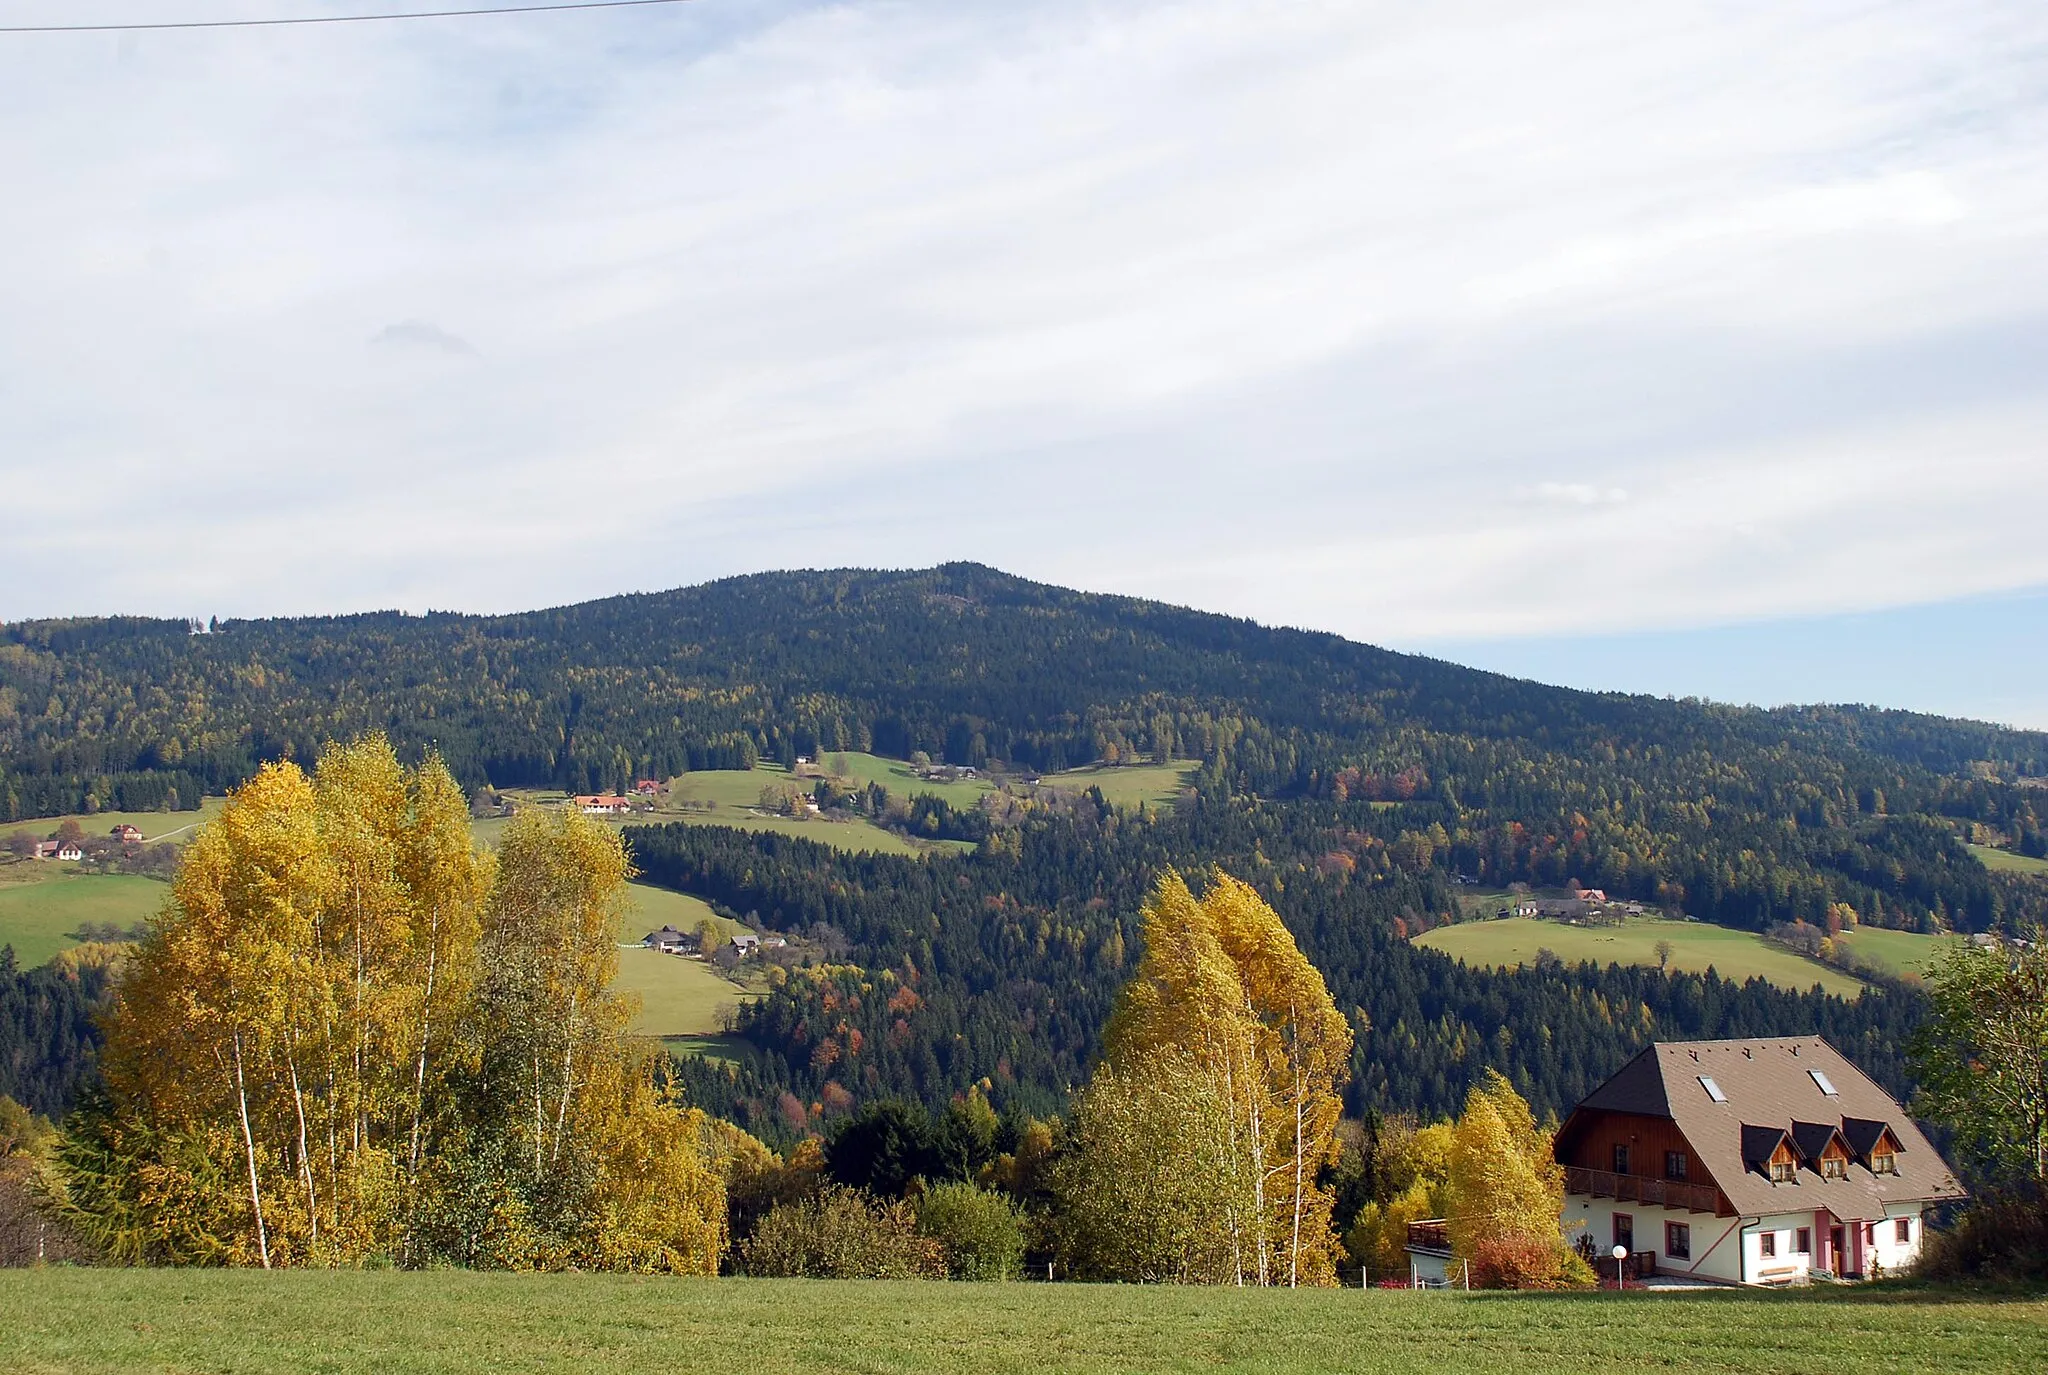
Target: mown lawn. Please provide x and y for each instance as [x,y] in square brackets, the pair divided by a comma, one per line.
[1738,955]
[159,1320]
[1898,952]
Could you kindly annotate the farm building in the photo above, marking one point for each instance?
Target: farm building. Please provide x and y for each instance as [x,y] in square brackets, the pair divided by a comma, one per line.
[126,834]
[604,804]
[670,941]
[1750,1162]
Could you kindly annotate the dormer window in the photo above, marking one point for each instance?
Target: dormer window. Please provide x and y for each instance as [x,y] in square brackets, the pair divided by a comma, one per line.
[1782,1171]
[1884,1162]
[1834,1167]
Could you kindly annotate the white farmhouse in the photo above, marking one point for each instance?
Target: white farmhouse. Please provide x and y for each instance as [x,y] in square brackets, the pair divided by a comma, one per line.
[1749,1162]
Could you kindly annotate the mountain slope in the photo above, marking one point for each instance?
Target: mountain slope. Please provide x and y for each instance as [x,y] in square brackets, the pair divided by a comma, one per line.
[1747,816]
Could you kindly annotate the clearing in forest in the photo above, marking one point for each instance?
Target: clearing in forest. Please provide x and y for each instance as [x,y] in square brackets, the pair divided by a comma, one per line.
[1513,941]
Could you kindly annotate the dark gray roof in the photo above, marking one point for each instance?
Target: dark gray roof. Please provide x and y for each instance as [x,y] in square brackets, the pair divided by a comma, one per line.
[1771,1094]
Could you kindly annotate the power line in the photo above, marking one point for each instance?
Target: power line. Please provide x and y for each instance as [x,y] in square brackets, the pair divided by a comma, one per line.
[333,18]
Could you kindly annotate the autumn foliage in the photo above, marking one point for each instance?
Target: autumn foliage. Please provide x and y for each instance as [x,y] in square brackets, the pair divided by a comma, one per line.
[351,1036]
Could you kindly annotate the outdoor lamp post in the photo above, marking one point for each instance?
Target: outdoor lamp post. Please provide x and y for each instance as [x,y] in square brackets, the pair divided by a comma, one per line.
[1620,1254]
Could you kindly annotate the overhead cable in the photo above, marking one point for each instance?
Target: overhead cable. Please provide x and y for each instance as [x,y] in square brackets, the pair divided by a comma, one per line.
[333,18]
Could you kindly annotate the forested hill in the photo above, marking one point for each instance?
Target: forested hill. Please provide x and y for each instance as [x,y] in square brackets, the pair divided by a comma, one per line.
[1746,816]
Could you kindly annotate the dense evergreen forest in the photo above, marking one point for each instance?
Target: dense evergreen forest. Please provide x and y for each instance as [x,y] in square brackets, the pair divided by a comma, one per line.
[1353,786]
[999,969]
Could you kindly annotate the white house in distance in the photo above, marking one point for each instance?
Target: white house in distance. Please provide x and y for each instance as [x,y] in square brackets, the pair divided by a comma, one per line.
[1749,1162]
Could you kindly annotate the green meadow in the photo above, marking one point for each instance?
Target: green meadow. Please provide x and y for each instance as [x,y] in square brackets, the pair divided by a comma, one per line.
[678,998]
[1895,952]
[153,825]
[1513,941]
[74,1322]
[1126,785]
[39,910]
[2008,862]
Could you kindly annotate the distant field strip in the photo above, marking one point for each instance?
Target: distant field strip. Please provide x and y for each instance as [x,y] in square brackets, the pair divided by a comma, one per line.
[1513,941]
[2009,862]
[37,916]
[1126,785]
[355,1322]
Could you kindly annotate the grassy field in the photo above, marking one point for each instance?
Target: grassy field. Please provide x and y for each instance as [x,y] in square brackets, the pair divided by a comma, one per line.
[153,825]
[901,781]
[62,1320]
[1737,955]
[2008,861]
[1896,952]
[1126,785]
[678,997]
[36,914]
[735,791]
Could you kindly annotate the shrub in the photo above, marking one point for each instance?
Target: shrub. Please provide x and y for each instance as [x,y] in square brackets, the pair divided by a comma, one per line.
[842,1234]
[1528,1262]
[1997,1239]
[981,1233]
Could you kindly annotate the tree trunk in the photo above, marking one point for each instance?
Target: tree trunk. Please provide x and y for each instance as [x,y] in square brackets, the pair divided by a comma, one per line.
[305,1156]
[249,1150]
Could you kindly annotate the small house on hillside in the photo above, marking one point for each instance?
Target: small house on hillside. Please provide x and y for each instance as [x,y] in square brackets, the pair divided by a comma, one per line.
[1750,1162]
[647,787]
[604,804]
[126,834]
[670,941]
[746,945]
[70,849]
[47,849]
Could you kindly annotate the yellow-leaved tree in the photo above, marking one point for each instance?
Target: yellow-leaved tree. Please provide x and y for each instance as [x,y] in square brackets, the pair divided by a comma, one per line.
[351,1035]
[1507,1194]
[1226,1043]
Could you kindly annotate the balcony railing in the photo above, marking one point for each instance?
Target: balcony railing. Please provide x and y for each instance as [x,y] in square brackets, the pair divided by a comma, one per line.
[1635,1188]
[1431,1235]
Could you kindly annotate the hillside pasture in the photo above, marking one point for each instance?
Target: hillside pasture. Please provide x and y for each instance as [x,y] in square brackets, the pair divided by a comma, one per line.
[38,911]
[735,793]
[902,781]
[239,1322]
[678,997]
[153,825]
[1510,942]
[1126,785]
[1895,952]
[2005,861]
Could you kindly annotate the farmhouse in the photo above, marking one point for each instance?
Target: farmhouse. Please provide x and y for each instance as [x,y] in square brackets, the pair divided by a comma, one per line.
[1749,1162]
[47,849]
[670,941]
[126,834]
[647,787]
[604,804]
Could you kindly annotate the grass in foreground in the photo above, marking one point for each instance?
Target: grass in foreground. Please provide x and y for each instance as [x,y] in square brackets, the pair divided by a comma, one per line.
[37,917]
[1738,955]
[243,1321]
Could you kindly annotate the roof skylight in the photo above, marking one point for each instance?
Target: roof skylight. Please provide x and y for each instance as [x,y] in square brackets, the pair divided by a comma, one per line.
[1713,1089]
[1826,1086]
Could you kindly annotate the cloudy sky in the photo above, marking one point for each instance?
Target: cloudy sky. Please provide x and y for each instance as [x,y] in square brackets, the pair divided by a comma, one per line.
[1676,347]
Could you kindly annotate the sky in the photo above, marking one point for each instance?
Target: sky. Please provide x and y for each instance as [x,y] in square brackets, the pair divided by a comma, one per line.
[1689,348]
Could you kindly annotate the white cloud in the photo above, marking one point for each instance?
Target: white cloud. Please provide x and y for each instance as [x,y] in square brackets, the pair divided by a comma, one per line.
[1476,319]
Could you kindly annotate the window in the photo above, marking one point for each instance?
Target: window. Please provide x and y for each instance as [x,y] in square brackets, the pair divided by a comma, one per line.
[1802,1241]
[1621,1160]
[1678,1241]
[1767,1243]
[1821,1081]
[1625,1230]
[1884,1162]
[1782,1171]
[1870,1234]
[1902,1231]
[1675,1164]
[1713,1089]
[1834,1167]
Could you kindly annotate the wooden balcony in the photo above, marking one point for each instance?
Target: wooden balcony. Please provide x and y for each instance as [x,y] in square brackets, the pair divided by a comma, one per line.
[1431,1235]
[1635,1188]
